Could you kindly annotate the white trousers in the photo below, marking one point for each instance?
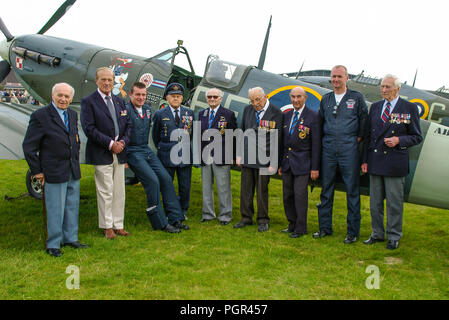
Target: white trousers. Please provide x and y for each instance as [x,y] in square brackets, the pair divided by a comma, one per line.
[110,186]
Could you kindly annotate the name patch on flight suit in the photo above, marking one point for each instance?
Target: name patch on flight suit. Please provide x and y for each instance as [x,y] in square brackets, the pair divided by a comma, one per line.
[350,103]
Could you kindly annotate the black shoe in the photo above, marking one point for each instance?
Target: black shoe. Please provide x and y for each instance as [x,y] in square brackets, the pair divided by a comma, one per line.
[296,235]
[321,234]
[241,224]
[392,244]
[205,220]
[54,252]
[76,245]
[180,225]
[263,227]
[170,229]
[372,240]
[224,223]
[350,239]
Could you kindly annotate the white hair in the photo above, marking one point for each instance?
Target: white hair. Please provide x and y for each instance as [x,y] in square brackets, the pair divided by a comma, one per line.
[261,91]
[397,82]
[63,83]
[220,93]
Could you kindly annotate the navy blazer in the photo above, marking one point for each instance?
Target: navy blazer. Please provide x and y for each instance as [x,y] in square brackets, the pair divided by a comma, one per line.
[163,125]
[224,119]
[98,126]
[302,149]
[383,160]
[49,148]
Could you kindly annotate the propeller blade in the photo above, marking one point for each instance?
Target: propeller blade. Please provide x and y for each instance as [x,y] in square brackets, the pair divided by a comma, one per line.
[5,31]
[58,15]
[5,68]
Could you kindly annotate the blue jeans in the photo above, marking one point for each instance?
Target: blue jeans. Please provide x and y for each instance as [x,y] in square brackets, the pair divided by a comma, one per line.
[62,204]
[155,180]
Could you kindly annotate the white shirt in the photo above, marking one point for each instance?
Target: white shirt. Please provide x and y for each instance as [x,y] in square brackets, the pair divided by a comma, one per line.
[262,112]
[293,116]
[338,97]
[392,104]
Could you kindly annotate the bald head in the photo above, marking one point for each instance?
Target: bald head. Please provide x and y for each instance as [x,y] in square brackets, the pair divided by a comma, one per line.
[62,95]
[257,98]
[298,96]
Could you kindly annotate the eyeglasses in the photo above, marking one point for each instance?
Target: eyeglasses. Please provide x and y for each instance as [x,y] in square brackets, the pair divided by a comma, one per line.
[213,97]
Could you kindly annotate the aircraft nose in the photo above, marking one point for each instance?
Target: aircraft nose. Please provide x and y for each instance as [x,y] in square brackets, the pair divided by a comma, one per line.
[4,50]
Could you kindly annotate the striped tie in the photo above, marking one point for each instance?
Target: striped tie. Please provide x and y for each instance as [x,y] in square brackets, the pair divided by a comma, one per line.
[295,121]
[258,117]
[211,118]
[386,113]
[66,120]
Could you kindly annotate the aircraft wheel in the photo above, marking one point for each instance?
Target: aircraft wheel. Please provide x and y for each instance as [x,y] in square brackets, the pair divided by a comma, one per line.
[34,186]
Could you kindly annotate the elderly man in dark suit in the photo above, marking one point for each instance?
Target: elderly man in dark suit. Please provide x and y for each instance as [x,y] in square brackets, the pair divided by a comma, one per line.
[215,120]
[107,126]
[173,128]
[393,127]
[300,160]
[51,148]
[259,116]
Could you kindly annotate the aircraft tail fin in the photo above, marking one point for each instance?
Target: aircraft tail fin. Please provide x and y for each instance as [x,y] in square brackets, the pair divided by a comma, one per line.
[263,53]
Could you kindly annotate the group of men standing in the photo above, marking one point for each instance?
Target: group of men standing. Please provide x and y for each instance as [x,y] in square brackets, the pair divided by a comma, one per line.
[300,145]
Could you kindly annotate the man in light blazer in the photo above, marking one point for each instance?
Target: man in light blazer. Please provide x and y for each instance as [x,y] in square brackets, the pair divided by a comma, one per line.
[392,127]
[51,148]
[107,126]
[300,160]
[259,115]
[216,119]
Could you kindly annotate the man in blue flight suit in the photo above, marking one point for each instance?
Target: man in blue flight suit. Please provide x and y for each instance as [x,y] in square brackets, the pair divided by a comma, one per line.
[392,128]
[172,128]
[343,114]
[148,168]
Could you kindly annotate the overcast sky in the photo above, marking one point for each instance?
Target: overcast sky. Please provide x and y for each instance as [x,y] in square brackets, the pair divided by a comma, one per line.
[382,36]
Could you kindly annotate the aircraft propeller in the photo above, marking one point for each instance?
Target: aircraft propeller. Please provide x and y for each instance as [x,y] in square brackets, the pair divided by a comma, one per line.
[5,66]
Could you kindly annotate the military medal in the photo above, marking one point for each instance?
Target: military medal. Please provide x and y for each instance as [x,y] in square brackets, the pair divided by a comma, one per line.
[222,126]
[77,138]
[272,125]
[302,135]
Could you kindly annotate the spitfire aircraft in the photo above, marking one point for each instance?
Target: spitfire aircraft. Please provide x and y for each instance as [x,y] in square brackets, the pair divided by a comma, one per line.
[40,61]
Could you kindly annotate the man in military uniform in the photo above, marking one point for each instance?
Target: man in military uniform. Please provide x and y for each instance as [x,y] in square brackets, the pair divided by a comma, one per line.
[148,168]
[343,114]
[392,127]
[300,160]
[173,128]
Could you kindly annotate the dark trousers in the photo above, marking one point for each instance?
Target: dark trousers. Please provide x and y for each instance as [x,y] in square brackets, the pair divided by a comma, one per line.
[349,166]
[184,175]
[251,181]
[295,201]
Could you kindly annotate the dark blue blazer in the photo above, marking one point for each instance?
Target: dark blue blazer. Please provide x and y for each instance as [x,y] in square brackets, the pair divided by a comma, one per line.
[383,160]
[302,155]
[98,126]
[229,121]
[49,148]
[163,125]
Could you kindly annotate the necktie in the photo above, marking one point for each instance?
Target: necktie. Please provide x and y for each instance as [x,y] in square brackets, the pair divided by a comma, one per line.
[295,121]
[211,118]
[177,117]
[258,117]
[66,119]
[113,115]
[386,113]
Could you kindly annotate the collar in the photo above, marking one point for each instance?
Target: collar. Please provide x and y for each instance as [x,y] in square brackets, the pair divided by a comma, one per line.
[173,110]
[103,95]
[215,110]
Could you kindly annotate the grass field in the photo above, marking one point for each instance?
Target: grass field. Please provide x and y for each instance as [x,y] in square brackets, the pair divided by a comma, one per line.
[211,261]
